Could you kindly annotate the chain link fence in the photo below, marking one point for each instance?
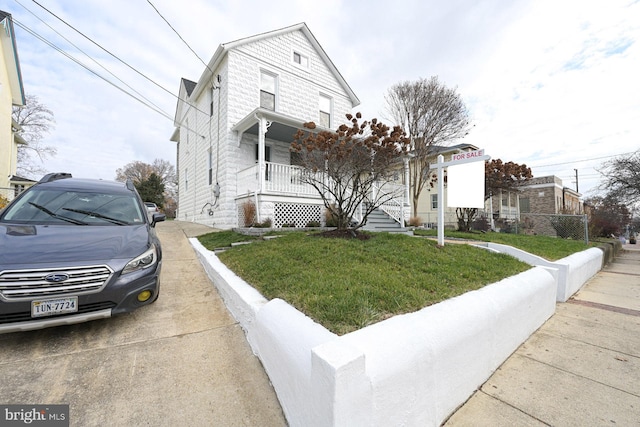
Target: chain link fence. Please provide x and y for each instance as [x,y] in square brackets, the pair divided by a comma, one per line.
[565,226]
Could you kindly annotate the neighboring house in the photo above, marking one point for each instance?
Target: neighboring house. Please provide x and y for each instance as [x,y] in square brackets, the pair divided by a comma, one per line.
[543,197]
[537,196]
[11,94]
[234,127]
[547,195]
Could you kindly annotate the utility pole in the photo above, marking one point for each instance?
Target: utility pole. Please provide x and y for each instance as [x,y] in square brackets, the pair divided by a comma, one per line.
[577,191]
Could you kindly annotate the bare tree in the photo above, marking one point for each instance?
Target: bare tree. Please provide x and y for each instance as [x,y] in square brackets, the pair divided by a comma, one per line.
[349,167]
[431,115]
[139,171]
[622,177]
[141,174]
[35,120]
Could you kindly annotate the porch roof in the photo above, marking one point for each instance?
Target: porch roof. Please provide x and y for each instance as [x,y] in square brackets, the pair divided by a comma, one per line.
[282,127]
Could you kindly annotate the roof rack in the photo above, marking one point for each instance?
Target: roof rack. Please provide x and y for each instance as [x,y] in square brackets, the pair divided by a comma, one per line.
[55,176]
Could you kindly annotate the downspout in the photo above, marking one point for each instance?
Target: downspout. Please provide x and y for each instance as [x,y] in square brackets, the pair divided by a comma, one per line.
[407,195]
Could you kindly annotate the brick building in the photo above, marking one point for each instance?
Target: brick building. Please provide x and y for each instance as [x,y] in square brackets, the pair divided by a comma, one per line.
[545,196]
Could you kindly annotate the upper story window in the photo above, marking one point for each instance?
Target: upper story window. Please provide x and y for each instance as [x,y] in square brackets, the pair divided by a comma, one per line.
[434,201]
[324,118]
[300,59]
[268,87]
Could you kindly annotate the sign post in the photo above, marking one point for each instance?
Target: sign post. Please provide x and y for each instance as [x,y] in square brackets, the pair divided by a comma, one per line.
[456,159]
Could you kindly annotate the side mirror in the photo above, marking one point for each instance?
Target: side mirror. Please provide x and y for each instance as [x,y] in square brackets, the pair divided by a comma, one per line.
[157,217]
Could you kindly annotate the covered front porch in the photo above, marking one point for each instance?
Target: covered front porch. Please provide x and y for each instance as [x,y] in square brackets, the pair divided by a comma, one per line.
[277,189]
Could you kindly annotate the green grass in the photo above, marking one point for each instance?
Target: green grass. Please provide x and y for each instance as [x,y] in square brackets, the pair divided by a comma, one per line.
[550,248]
[221,239]
[346,284]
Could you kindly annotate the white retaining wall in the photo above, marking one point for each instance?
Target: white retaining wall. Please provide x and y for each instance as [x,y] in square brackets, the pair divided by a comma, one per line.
[571,272]
[413,369]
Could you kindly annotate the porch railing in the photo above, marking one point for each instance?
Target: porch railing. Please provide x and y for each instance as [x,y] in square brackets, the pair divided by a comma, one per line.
[279,178]
[287,180]
[394,207]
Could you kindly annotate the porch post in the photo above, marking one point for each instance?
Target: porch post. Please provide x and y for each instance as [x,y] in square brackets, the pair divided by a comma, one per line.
[262,167]
[261,144]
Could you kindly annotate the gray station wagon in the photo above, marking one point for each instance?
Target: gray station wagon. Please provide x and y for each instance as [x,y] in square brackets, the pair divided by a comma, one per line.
[74,250]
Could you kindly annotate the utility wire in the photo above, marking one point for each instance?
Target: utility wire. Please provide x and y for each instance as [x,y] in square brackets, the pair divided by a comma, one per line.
[53,46]
[39,37]
[578,161]
[178,34]
[88,56]
[117,58]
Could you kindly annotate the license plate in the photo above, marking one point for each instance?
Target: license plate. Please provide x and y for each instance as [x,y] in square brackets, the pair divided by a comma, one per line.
[50,307]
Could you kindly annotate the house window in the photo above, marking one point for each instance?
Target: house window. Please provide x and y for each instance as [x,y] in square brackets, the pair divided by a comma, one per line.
[525,205]
[300,59]
[434,201]
[268,85]
[325,111]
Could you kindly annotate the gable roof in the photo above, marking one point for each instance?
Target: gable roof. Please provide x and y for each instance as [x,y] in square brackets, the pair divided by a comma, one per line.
[226,47]
[185,91]
[10,51]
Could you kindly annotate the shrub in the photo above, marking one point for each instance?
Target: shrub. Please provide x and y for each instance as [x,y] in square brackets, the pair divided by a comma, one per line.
[313,224]
[481,224]
[415,221]
[329,219]
[249,212]
[3,202]
[264,224]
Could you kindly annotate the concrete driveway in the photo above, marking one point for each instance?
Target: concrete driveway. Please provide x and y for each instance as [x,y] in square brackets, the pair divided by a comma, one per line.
[181,361]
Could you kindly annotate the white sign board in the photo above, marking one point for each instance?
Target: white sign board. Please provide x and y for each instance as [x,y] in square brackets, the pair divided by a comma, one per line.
[465,185]
[458,160]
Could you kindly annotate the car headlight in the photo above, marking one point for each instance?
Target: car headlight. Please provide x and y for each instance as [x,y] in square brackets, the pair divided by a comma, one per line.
[146,260]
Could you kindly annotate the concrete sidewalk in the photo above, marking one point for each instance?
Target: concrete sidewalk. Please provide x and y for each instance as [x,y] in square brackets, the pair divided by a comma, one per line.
[582,367]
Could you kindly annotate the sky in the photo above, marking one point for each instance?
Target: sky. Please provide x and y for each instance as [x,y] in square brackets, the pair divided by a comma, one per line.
[551,84]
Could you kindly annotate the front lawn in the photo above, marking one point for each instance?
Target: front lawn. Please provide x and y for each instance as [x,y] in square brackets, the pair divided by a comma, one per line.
[550,248]
[346,284]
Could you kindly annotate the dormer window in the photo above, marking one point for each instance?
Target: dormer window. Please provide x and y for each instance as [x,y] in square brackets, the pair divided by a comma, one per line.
[300,59]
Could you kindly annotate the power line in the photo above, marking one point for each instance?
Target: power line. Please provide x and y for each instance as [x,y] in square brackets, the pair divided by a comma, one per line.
[53,46]
[178,34]
[47,42]
[579,161]
[88,56]
[117,58]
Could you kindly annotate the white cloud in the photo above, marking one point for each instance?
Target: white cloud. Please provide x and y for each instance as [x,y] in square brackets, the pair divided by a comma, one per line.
[546,82]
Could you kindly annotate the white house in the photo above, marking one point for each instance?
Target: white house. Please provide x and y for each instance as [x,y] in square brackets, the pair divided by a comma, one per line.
[234,127]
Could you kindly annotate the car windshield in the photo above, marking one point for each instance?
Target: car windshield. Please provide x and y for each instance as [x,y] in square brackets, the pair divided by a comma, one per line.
[54,206]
